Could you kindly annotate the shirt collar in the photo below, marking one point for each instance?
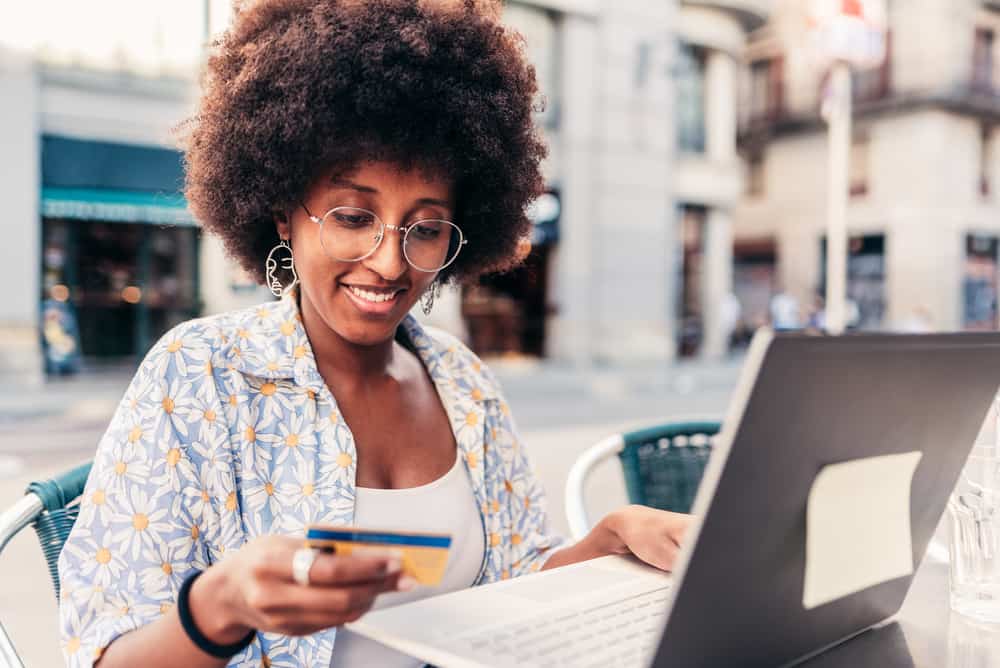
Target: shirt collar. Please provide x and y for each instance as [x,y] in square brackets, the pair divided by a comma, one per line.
[270,342]
[450,364]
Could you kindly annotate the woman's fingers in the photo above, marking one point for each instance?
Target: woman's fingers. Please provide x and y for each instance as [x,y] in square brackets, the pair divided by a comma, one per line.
[327,600]
[661,554]
[290,606]
[333,569]
[679,526]
[274,561]
[341,587]
[654,535]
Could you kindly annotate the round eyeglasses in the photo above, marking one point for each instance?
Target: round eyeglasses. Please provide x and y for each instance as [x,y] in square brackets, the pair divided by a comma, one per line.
[349,234]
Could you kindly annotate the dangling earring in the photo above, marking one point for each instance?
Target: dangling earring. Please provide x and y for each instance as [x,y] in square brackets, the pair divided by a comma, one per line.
[286,263]
[427,299]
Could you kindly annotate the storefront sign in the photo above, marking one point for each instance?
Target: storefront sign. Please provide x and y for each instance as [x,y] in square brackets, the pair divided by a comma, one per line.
[115,206]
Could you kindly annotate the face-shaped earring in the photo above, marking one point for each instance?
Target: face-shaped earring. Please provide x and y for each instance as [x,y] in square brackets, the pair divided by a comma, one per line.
[427,299]
[274,264]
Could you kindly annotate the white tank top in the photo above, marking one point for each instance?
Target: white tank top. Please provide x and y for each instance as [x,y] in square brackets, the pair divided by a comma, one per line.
[446,505]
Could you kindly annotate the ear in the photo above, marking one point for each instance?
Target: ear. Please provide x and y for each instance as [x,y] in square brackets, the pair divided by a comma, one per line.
[283,225]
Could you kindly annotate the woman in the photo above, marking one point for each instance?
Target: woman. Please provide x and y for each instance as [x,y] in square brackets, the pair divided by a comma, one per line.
[355,156]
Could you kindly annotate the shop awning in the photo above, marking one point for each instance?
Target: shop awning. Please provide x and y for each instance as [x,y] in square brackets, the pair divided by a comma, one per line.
[95,180]
[116,206]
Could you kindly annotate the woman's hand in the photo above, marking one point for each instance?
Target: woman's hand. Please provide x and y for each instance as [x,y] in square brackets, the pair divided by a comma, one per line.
[254,589]
[652,535]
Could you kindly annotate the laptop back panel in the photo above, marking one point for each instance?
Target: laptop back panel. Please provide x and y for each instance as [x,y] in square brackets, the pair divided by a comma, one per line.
[818,401]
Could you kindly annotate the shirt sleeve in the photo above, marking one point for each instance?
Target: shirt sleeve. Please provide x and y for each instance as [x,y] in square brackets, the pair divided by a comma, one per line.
[140,531]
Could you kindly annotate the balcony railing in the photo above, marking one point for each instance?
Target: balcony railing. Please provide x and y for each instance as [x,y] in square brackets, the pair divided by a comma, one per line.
[968,96]
[751,13]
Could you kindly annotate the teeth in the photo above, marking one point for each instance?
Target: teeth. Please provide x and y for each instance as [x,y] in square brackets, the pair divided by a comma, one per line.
[376,297]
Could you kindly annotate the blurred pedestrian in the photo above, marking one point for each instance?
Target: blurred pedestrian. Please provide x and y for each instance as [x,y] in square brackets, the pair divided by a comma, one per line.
[731,311]
[817,315]
[917,321]
[785,314]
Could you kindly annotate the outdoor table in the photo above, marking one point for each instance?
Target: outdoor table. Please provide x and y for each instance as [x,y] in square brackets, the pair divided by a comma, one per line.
[925,633]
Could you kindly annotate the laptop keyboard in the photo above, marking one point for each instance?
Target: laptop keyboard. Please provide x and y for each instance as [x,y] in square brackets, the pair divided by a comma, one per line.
[619,633]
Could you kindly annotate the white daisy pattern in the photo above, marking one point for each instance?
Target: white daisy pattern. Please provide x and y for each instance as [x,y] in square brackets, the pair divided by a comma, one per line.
[173,401]
[262,493]
[99,560]
[293,438]
[140,525]
[162,560]
[228,432]
[94,508]
[122,465]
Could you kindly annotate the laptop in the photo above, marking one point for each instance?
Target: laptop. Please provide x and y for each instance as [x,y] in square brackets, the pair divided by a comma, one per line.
[803,405]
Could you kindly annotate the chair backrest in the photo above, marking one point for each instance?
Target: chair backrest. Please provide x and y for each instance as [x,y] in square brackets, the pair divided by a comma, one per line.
[54,523]
[663,465]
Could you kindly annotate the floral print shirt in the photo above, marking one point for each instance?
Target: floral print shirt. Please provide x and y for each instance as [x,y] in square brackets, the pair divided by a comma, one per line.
[228,432]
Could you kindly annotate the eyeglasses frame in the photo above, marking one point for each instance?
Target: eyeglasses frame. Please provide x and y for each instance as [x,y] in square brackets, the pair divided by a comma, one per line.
[402,229]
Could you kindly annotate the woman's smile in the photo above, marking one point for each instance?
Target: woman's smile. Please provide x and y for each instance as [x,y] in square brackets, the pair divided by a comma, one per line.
[373,300]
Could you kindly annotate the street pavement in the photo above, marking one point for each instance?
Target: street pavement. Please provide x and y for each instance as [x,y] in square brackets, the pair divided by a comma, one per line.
[560,412]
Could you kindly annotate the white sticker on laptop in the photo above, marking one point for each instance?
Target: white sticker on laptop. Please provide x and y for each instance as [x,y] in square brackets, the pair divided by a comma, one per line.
[858,526]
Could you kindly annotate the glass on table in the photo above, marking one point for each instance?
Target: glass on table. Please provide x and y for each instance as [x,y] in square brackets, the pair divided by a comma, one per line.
[974,527]
[972,643]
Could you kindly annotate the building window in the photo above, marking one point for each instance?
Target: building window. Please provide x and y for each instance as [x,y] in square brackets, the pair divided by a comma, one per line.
[690,90]
[858,175]
[866,272]
[540,30]
[985,159]
[982,61]
[979,283]
[755,282]
[690,310]
[128,283]
[755,174]
[767,89]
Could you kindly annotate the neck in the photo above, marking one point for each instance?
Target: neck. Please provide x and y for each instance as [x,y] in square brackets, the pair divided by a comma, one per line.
[338,358]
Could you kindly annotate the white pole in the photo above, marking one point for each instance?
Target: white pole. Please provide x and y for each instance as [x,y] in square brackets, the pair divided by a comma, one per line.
[839,119]
[206,11]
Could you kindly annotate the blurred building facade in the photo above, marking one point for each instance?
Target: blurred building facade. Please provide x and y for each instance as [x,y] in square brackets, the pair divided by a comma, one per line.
[711,43]
[631,255]
[644,175]
[924,209]
[597,285]
[94,220]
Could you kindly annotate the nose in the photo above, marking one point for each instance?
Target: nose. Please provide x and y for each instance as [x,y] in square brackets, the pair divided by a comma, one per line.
[388,260]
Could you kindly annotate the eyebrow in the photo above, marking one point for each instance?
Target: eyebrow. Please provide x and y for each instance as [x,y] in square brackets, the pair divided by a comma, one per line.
[351,185]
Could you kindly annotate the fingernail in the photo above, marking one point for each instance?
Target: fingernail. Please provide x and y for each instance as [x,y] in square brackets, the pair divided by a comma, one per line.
[406,583]
[393,566]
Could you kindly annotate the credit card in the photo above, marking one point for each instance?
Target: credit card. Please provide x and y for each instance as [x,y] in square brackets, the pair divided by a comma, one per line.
[424,556]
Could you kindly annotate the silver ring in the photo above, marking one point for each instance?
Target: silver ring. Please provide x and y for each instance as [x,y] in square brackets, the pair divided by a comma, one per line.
[302,562]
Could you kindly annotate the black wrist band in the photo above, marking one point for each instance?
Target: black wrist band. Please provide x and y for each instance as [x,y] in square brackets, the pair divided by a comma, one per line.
[196,636]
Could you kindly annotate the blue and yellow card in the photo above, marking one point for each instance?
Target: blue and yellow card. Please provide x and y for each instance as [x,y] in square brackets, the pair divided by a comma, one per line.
[424,556]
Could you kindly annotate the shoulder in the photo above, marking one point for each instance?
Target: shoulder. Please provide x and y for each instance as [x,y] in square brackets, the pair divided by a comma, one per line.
[205,341]
[461,362]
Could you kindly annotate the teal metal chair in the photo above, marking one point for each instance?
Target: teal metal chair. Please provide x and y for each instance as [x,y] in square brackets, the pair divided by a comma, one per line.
[662,465]
[51,507]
